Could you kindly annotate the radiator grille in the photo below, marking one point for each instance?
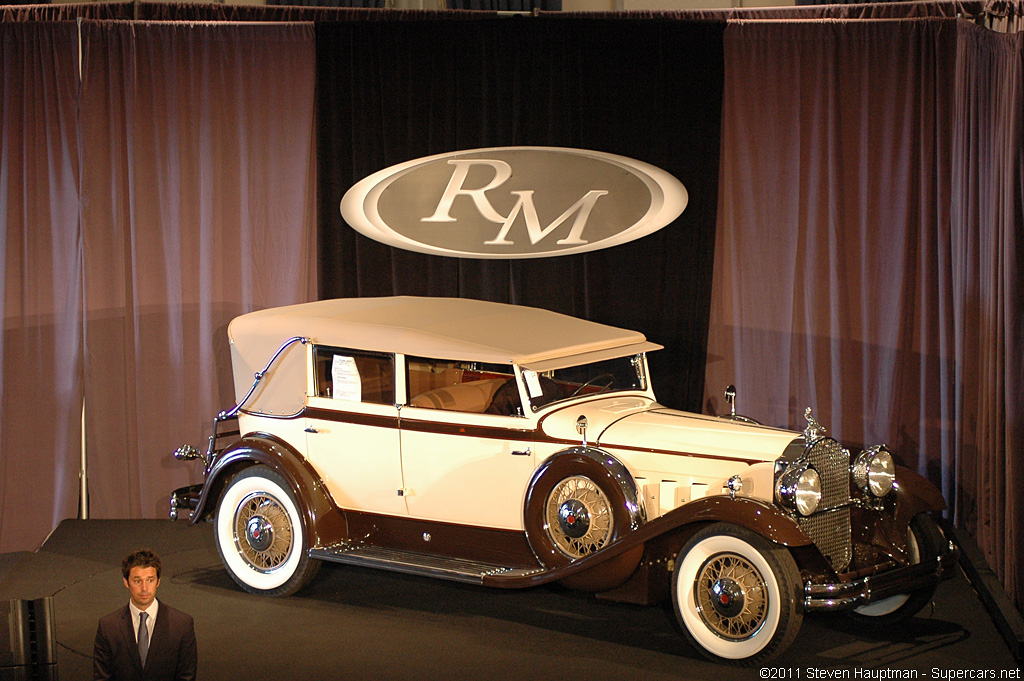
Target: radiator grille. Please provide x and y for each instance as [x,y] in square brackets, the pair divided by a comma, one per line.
[829,528]
[833,466]
[830,532]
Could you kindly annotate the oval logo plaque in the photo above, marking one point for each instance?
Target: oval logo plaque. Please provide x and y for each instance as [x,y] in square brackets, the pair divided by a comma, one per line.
[514,202]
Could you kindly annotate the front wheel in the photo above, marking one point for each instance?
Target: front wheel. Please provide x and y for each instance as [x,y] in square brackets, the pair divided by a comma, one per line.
[924,540]
[260,536]
[736,595]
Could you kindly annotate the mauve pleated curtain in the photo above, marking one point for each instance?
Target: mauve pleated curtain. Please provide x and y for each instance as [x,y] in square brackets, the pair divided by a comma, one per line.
[197,206]
[832,247]
[40,282]
[987,423]
[868,253]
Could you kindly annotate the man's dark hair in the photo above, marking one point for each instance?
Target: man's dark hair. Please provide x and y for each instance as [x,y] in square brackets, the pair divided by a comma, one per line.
[143,558]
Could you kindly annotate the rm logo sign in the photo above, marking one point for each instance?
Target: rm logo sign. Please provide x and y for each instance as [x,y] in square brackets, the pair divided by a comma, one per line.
[514,202]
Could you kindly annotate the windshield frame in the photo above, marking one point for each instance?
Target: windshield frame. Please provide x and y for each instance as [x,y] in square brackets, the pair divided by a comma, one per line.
[567,380]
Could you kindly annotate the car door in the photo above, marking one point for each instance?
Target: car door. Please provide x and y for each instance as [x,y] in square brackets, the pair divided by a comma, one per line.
[465,467]
[352,435]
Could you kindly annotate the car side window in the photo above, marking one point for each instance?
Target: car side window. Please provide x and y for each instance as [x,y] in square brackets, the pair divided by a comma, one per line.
[462,386]
[357,375]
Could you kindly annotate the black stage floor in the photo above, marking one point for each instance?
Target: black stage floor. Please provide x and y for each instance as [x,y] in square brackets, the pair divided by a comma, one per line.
[354,623]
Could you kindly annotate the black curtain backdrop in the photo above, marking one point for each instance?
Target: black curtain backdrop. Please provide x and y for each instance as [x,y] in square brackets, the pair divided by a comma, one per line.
[648,90]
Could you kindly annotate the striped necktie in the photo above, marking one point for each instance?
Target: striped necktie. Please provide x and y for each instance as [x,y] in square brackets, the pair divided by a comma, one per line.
[143,637]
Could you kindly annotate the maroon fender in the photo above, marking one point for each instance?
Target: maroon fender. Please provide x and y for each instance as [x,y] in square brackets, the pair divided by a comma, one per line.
[753,514]
[323,521]
[615,482]
[915,494]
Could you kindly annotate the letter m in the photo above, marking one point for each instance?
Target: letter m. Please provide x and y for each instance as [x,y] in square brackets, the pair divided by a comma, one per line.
[525,205]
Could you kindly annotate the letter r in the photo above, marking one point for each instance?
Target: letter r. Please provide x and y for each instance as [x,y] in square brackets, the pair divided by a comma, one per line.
[502,171]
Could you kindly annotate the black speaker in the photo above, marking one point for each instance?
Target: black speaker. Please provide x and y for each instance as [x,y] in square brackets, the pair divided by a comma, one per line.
[29,651]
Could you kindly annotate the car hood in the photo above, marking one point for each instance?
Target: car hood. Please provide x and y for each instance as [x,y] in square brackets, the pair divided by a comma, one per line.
[639,423]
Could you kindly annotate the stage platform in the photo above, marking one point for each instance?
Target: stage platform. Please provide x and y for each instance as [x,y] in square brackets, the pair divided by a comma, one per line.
[354,624]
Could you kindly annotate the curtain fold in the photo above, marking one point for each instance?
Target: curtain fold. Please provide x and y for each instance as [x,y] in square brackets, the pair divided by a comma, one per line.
[173,11]
[198,203]
[506,5]
[40,282]
[67,12]
[988,304]
[832,243]
[868,252]
[887,10]
[378,4]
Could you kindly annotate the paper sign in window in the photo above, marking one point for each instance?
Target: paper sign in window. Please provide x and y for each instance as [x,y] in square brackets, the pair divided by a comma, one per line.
[533,384]
[345,375]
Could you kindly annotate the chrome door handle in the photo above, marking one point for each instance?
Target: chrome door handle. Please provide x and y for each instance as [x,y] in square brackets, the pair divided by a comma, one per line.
[311,429]
[527,452]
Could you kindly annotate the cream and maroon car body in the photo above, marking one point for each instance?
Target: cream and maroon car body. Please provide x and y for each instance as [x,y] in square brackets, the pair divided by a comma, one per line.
[511,447]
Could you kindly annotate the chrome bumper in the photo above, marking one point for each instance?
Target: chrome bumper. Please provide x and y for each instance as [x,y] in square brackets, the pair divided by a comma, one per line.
[849,595]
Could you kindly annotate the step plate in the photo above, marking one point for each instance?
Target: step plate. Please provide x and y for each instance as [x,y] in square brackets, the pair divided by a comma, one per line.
[412,563]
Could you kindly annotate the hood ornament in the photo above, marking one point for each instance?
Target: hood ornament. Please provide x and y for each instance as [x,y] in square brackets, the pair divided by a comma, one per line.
[814,430]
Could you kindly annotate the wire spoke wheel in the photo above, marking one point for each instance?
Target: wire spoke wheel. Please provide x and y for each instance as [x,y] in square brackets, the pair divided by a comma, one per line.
[260,535]
[263,532]
[737,595]
[731,596]
[578,516]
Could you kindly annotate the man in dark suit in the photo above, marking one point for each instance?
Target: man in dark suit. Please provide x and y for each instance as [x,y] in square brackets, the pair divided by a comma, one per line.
[144,640]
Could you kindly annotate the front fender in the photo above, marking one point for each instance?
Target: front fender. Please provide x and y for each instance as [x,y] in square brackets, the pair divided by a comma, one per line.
[756,515]
[915,494]
[323,521]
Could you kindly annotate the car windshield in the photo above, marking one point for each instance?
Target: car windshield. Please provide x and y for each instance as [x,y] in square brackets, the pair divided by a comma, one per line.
[612,375]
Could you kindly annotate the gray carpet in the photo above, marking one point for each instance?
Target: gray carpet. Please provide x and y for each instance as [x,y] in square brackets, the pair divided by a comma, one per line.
[354,623]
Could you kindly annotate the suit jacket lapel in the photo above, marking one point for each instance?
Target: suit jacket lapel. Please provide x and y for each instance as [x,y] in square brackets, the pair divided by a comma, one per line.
[161,635]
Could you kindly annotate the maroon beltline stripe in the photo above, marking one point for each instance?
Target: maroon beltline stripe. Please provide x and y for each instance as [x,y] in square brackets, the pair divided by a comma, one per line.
[488,432]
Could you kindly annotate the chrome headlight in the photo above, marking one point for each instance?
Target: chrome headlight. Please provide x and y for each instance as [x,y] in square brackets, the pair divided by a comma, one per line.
[873,471]
[799,489]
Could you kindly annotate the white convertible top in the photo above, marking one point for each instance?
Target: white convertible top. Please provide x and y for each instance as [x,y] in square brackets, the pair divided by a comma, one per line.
[441,328]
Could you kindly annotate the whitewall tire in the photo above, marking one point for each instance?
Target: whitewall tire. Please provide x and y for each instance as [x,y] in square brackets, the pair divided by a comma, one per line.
[260,535]
[736,595]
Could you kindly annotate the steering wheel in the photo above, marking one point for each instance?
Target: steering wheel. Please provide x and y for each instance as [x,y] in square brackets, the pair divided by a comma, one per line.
[608,378]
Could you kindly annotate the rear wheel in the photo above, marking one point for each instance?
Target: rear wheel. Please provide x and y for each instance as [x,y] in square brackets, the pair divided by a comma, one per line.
[924,540]
[736,595]
[260,536]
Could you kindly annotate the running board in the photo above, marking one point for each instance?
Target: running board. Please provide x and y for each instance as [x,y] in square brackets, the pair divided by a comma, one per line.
[412,563]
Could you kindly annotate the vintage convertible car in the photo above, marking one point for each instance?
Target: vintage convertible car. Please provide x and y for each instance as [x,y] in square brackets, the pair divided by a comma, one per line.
[511,447]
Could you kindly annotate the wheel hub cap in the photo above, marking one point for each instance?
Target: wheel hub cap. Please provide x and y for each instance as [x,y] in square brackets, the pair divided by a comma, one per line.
[573,518]
[731,597]
[259,533]
[727,597]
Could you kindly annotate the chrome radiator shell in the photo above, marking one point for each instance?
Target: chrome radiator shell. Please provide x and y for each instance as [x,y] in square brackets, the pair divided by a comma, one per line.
[829,526]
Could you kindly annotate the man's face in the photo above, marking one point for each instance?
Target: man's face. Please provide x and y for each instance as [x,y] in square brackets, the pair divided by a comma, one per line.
[141,584]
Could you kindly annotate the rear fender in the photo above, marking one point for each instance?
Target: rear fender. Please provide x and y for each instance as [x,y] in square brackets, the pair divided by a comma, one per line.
[322,520]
